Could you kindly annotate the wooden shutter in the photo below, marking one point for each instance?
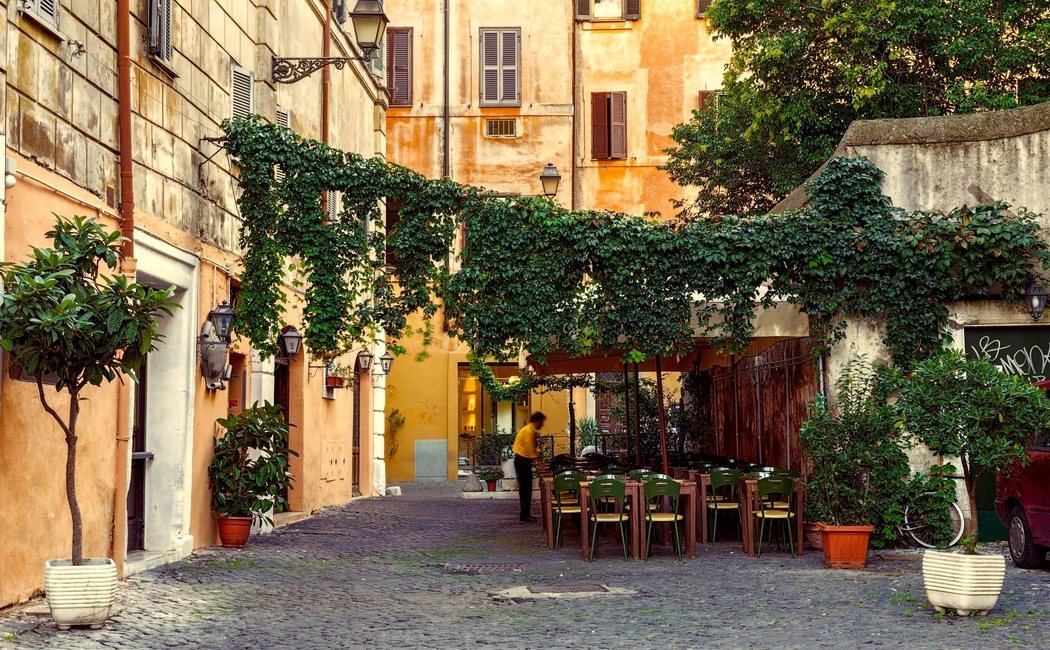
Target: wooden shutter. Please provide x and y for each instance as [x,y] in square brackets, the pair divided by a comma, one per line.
[48,10]
[490,66]
[399,65]
[701,7]
[332,201]
[166,40]
[708,99]
[510,54]
[632,9]
[160,44]
[242,92]
[600,126]
[618,125]
[583,9]
[284,118]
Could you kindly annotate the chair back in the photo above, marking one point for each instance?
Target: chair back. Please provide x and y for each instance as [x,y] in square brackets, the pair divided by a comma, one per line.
[567,482]
[639,474]
[661,485]
[608,487]
[615,469]
[775,486]
[789,473]
[723,478]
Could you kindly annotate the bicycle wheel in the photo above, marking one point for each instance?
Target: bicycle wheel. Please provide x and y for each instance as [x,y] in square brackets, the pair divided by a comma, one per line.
[932,523]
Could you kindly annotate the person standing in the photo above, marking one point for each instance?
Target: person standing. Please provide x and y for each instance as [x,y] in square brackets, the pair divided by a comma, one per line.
[526,453]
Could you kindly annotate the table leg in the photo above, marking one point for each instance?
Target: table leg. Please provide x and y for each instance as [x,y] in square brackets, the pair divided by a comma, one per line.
[546,498]
[701,511]
[800,502]
[638,522]
[690,521]
[747,516]
[585,522]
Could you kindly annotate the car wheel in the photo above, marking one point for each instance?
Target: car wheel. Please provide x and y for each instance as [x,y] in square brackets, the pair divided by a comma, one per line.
[1023,550]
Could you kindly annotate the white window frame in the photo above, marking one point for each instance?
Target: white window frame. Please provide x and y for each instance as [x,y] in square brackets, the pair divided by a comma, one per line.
[45,13]
[621,16]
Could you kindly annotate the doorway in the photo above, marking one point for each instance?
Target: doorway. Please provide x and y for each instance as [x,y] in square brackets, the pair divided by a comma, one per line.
[139,459]
[282,394]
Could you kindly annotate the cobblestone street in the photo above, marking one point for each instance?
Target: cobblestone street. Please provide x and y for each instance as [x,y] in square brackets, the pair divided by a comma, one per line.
[376,574]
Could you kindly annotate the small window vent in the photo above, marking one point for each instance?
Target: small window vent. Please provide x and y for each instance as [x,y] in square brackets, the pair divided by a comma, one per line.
[501,128]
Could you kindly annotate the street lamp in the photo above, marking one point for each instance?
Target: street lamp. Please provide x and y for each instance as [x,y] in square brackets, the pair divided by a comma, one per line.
[364,361]
[290,341]
[370,23]
[222,320]
[1036,299]
[549,179]
[386,361]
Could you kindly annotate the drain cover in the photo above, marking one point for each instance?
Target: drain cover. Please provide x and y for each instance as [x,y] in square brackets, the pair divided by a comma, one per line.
[568,589]
[479,569]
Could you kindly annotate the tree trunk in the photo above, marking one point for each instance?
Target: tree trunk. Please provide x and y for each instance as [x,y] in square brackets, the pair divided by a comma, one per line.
[71,479]
[971,495]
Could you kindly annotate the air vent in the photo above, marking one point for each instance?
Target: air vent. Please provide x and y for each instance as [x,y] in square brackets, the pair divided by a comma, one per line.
[501,128]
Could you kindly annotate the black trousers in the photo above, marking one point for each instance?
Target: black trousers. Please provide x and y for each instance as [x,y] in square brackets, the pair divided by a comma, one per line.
[523,470]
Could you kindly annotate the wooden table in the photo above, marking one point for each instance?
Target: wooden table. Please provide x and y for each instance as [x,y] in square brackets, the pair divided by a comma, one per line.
[748,506]
[635,496]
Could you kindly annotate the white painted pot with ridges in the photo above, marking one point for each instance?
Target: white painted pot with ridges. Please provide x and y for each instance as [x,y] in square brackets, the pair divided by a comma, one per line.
[80,595]
[965,583]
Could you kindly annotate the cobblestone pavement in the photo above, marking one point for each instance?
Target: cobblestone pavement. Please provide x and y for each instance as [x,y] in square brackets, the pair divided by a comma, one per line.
[375,574]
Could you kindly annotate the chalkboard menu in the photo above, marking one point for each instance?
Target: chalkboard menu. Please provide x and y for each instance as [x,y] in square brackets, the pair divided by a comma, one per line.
[1019,350]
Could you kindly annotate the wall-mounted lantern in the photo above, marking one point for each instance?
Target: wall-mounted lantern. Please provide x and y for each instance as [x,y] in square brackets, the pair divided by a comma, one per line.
[290,341]
[550,179]
[386,361]
[369,28]
[221,319]
[1035,297]
[364,361]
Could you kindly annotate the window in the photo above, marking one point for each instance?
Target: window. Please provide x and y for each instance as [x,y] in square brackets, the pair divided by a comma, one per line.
[242,92]
[501,128]
[160,30]
[399,65]
[701,7]
[44,12]
[500,65]
[608,9]
[284,118]
[332,203]
[609,126]
[709,99]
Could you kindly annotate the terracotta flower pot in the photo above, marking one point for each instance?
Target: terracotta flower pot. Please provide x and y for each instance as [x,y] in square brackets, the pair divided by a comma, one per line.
[845,547]
[234,531]
[335,382]
[965,583]
[814,538]
[492,486]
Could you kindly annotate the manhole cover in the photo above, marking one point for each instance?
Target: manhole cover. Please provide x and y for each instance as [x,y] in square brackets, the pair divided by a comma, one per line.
[479,569]
[568,589]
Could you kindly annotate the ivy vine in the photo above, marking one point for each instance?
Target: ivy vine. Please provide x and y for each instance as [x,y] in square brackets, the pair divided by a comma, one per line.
[535,276]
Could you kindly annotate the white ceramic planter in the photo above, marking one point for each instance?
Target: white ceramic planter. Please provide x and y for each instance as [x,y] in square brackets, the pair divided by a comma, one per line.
[965,583]
[80,595]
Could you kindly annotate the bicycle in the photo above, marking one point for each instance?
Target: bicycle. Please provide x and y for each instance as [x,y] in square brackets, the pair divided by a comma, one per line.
[921,521]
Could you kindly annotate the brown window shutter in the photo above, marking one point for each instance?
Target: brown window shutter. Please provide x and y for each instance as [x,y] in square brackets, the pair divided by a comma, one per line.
[600,126]
[399,65]
[583,9]
[489,67]
[618,125]
[707,99]
[632,9]
[701,7]
[509,56]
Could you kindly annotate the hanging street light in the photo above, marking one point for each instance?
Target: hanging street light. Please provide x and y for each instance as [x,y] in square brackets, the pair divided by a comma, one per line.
[386,361]
[364,361]
[290,341]
[222,318]
[1035,297]
[549,179]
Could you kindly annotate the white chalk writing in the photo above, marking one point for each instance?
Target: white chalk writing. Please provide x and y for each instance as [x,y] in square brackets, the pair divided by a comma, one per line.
[1032,361]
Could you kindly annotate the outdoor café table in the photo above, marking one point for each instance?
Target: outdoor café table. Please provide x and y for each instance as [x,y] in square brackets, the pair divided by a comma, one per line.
[749,504]
[635,492]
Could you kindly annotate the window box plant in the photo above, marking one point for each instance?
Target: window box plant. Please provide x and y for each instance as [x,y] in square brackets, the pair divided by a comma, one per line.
[967,408]
[336,375]
[490,475]
[70,321]
[249,471]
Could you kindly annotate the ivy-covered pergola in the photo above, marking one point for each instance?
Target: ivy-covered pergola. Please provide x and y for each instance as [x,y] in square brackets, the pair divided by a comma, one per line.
[535,277]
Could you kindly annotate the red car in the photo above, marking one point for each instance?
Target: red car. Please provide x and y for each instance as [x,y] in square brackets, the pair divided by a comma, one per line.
[1022,501]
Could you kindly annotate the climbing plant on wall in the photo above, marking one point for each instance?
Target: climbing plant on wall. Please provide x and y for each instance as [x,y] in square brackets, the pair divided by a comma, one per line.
[534,276]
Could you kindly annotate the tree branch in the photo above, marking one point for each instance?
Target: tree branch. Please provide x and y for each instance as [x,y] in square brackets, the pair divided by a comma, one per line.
[47,407]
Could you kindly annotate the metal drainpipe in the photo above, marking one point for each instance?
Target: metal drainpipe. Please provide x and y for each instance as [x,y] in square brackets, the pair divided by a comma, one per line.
[575,143]
[446,167]
[326,72]
[119,549]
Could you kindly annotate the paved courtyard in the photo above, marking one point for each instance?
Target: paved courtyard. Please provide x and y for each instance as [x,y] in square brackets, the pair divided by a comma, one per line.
[379,573]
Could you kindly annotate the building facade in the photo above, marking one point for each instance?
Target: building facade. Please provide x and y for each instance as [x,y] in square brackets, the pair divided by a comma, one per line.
[487,93]
[89,85]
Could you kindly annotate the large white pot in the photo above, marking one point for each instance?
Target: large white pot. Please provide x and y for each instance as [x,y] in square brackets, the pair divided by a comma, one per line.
[80,595]
[965,583]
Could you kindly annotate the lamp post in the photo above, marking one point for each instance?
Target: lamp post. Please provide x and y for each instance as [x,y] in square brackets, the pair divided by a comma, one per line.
[222,318]
[1035,297]
[290,341]
[370,23]
[549,180]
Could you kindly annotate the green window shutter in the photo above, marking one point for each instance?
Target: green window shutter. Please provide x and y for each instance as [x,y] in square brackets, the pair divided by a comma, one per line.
[632,9]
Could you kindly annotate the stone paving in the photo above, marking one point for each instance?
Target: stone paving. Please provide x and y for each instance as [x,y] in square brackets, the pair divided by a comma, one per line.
[375,574]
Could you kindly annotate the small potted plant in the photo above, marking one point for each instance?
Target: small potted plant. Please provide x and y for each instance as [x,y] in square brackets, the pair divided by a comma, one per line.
[490,475]
[336,375]
[249,471]
[70,321]
[967,408]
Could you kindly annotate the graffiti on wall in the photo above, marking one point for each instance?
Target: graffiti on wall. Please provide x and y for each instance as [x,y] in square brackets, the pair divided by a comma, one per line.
[1023,351]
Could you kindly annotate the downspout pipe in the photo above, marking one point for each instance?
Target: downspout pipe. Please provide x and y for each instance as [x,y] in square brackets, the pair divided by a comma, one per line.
[326,72]
[446,120]
[576,104]
[126,211]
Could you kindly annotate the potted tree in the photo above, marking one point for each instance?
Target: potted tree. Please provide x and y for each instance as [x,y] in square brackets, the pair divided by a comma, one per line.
[249,471]
[70,320]
[967,408]
[859,470]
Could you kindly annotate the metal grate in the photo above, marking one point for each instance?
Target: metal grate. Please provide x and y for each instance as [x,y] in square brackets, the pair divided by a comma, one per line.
[568,589]
[501,128]
[480,569]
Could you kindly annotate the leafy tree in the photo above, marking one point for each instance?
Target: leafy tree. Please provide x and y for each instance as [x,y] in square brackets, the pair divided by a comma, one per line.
[803,70]
[969,409]
[65,317]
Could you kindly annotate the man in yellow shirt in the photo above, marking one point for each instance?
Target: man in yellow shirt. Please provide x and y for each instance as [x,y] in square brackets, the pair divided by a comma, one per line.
[525,454]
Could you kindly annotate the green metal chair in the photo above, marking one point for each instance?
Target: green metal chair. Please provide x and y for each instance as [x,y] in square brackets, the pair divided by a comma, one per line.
[609,491]
[639,474]
[725,488]
[660,489]
[566,500]
[770,491]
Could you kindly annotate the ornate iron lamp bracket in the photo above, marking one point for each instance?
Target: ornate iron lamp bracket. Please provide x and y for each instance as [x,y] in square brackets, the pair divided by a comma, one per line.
[288,70]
